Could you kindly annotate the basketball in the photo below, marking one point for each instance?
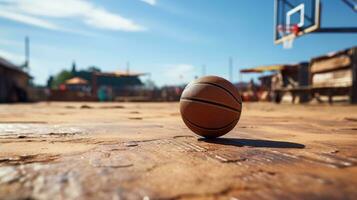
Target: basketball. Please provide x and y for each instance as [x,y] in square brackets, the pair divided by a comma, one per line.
[210,106]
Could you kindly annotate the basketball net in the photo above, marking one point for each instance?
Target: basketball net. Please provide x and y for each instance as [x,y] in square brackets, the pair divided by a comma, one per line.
[287,30]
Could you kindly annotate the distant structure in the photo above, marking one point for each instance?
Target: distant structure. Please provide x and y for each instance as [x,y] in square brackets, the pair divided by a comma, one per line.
[92,85]
[14,83]
[77,84]
[327,77]
[115,81]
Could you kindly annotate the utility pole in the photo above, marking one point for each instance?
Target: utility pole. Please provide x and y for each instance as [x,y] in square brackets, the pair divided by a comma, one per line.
[27,53]
[230,69]
[240,76]
[128,67]
[203,70]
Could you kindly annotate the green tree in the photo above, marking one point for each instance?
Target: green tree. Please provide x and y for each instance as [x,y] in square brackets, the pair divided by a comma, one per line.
[93,69]
[60,78]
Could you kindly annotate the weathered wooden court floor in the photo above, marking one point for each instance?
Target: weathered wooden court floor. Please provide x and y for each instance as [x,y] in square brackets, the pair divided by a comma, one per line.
[144,151]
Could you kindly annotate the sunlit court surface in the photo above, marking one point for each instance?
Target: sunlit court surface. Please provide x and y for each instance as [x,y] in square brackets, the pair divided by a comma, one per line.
[178,99]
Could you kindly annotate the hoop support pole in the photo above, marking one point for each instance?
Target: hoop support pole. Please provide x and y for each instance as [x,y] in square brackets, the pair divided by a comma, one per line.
[337,30]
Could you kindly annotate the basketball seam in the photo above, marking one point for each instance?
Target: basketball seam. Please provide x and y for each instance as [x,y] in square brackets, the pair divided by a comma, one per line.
[221,88]
[211,129]
[211,102]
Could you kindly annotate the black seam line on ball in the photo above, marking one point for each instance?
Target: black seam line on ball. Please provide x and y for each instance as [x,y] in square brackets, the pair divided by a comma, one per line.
[213,84]
[222,89]
[211,129]
[210,102]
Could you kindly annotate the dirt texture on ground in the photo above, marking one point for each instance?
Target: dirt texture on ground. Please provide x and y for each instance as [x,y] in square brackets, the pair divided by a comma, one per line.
[144,151]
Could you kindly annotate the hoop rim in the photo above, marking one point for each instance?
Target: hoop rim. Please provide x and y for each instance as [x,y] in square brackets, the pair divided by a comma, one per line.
[288,29]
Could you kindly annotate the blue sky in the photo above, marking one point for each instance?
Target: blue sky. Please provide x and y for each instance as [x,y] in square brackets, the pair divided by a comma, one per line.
[171,39]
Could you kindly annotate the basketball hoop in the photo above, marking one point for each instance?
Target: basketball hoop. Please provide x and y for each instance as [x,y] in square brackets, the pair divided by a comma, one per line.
[295,18]
[285,30]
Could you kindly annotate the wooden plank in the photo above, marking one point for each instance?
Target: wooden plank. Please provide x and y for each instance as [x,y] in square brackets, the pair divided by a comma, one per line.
[339,78]
[329,64]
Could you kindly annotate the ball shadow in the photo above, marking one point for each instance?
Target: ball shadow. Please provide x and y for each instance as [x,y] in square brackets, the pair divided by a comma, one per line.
[253,143]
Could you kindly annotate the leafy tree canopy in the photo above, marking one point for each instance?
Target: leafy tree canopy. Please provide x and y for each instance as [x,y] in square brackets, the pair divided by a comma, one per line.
[60,78]
[93,69]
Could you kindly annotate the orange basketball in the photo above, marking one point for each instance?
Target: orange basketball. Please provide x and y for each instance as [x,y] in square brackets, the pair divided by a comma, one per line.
[210,106]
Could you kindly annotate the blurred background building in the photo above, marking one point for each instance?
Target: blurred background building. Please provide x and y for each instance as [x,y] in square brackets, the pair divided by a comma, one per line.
[14,82]
[92,84]
[324,78]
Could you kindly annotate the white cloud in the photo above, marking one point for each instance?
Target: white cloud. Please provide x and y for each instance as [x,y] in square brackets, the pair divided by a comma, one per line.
[32,12]
[26,19]
[63,8]
[151,2]
[105,20]
[179,74]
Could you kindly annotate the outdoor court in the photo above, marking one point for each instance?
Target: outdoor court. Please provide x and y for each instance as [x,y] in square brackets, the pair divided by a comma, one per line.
[144,151]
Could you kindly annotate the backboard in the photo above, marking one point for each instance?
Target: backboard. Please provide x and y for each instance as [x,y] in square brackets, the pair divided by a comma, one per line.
[294,18]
